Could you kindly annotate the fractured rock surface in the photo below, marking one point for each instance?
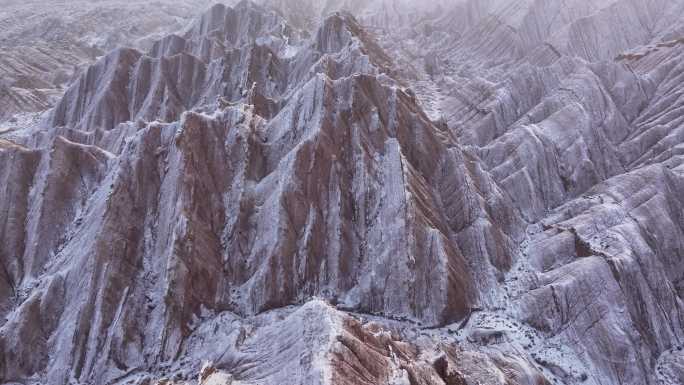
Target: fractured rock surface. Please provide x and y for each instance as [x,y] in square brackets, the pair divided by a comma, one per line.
[44,43]
[296,192]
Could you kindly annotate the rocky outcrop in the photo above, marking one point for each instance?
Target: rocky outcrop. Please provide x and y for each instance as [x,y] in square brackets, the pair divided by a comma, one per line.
[345,192]
[269,196]
[44,43]
[230,55]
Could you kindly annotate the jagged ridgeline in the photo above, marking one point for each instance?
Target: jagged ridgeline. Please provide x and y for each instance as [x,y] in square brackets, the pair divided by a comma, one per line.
[459,193]
[277,167]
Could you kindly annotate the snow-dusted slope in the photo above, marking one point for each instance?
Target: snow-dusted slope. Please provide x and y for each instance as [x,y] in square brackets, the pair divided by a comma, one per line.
[449,193]
[43,43]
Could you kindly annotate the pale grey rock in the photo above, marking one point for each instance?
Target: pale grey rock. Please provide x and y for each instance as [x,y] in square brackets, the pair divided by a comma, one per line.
[308,192]
[44,43]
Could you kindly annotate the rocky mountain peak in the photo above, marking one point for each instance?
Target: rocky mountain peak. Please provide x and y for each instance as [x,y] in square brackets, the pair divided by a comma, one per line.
[297,192]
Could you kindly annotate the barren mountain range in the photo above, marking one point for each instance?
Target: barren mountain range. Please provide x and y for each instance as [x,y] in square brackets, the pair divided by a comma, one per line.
[448,192]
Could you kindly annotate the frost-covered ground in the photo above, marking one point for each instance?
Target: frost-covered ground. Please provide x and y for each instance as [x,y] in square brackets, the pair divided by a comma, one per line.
[469,192]
[45,43]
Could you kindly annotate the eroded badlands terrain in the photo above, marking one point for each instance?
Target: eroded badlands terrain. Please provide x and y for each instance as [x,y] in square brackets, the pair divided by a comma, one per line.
[359,192]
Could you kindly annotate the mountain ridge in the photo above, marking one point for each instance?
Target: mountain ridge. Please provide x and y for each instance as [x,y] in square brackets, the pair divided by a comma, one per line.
[251,201]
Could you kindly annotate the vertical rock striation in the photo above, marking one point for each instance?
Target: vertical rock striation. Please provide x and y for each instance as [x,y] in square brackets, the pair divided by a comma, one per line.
[274,197]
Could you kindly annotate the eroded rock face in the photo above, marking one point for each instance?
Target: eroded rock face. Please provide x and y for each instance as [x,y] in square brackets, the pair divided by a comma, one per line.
[272,196]
[44,43]
[339,348]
